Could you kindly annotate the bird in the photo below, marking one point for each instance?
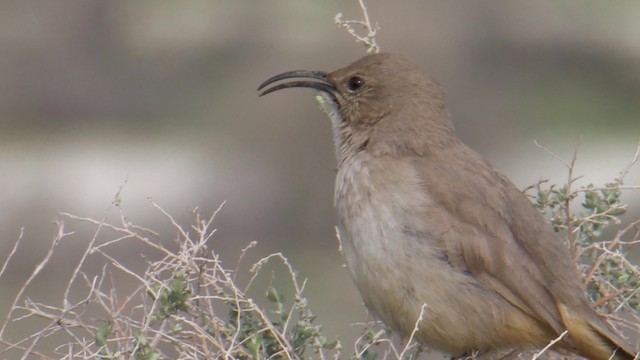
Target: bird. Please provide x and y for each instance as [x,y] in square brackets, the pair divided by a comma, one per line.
[427,224]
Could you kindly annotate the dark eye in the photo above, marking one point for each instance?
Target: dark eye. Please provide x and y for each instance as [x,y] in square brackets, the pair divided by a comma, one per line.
[354,83]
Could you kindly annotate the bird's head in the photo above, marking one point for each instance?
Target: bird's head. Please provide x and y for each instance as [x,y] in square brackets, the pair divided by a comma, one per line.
[382,102]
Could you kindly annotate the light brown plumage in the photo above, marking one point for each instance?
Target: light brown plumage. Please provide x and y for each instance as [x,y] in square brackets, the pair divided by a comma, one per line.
[425,220]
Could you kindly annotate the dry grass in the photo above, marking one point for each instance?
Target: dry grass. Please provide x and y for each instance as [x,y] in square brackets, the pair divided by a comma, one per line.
[185,305]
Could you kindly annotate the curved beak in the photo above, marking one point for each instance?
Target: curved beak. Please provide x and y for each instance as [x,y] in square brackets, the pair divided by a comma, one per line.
[322,84]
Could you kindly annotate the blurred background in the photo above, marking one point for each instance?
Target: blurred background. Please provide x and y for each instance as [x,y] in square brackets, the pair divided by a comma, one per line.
[160,97]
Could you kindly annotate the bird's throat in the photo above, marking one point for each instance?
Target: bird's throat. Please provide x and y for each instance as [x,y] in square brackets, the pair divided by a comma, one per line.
[332,110]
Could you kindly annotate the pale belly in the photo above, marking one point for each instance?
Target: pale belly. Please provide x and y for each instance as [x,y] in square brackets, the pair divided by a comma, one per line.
[399,267]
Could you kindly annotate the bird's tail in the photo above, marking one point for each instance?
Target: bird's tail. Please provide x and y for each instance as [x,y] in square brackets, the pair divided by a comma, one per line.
[594,339]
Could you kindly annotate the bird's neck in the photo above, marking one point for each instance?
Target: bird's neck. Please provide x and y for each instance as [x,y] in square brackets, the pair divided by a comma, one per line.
[393,140]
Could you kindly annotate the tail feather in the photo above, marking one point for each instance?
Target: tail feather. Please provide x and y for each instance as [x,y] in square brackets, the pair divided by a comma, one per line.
[594,339]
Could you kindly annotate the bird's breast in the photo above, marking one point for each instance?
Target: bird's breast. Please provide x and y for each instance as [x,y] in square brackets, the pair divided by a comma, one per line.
[381,207]
[391,240]
[379,197]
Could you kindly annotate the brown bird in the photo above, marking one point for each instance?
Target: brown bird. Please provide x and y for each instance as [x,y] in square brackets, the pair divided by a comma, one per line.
[425,220]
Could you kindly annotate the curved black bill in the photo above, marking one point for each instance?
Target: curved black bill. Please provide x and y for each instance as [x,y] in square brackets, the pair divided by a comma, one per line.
[322,84]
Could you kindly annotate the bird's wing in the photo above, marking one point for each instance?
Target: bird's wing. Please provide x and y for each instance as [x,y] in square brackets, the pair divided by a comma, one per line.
[491,230]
